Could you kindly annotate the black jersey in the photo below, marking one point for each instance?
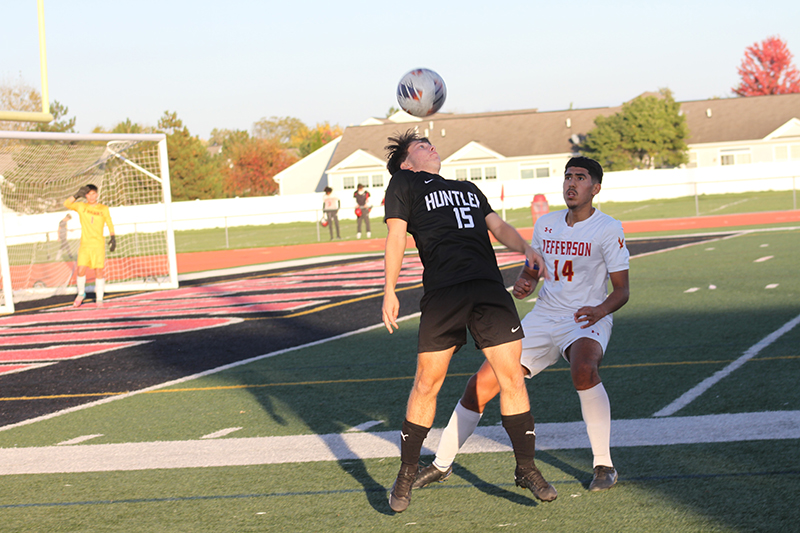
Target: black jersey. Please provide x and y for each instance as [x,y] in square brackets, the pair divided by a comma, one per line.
[447,219]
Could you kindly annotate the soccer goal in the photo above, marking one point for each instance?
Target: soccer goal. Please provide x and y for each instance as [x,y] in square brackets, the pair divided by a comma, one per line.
[39,244]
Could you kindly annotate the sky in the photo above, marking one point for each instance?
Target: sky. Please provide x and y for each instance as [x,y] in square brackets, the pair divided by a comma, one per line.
[229,64]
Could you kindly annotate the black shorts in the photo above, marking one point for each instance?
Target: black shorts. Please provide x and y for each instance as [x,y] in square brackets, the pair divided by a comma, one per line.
[483,306]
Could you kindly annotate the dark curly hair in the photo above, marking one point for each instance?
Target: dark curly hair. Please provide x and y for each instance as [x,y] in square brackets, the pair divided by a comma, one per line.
[397,149]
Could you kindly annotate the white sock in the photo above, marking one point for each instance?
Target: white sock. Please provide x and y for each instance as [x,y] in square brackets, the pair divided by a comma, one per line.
[81,285]
[462,424]
[99,289]
[596,411]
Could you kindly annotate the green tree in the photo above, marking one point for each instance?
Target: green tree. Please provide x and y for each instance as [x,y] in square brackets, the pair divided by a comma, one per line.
[649,132]
[60,123]
[193,173]
[226,138]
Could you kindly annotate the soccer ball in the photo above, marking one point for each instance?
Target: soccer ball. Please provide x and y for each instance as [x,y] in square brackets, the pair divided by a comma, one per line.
[421,92]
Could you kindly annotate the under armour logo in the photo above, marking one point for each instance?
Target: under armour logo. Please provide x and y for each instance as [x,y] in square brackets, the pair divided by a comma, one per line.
[514,330]
[531,433]
[621,242]
[403,435]
[548,230]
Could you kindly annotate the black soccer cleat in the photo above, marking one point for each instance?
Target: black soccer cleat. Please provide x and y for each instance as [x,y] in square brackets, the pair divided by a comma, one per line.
[604,478]
[400,497]
[534,481]
[431,474]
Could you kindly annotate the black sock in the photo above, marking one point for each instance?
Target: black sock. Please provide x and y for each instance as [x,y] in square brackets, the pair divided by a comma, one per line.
[523,439]
[411,438]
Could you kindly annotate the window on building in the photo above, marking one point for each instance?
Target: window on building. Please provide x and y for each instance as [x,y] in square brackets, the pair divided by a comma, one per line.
[735,157]
[348,182]
[785,152]
[692,160]
[461,174]
[363,180]
[538,170]
[475,174]
[377,180]
[490,173]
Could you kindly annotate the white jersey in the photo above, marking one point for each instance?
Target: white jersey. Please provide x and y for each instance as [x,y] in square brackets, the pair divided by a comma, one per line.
[579,260]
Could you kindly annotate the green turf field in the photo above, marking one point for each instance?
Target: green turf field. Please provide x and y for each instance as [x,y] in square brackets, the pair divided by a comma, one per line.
[693,311]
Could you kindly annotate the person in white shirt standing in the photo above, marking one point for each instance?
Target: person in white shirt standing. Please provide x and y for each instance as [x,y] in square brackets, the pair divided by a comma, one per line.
[583,248]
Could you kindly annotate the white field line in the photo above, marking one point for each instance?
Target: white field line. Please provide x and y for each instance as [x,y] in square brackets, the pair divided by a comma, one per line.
[692,394]
[720,208]
[768,425]
[220,433]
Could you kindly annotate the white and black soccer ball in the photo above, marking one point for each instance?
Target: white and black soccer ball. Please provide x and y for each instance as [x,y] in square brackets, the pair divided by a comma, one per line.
[421,92]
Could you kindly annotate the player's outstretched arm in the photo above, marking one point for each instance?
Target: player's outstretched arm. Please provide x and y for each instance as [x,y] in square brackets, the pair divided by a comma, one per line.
[393,262]
[510,237]
[615,300]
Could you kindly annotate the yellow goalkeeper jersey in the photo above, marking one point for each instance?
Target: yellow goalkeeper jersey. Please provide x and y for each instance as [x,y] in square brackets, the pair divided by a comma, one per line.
[93,217]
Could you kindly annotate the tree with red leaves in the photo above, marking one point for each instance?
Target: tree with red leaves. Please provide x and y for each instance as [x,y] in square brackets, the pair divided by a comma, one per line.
[251,165]
[767,69]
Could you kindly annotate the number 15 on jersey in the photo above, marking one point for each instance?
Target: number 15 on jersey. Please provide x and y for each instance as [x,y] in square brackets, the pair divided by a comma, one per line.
[463,217]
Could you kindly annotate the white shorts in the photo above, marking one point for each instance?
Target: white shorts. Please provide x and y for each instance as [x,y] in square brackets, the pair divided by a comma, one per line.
[547,338]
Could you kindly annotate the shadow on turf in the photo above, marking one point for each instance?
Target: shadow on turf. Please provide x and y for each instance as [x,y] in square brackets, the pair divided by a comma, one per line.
[520,498]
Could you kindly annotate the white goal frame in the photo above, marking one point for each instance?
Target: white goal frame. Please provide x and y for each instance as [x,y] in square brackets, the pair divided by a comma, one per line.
[159,216]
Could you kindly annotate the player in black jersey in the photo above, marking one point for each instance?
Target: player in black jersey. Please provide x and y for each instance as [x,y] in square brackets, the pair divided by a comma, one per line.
[463,289]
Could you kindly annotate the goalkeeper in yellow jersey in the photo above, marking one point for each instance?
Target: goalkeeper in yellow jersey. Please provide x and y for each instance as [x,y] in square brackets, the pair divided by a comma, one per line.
[92,251]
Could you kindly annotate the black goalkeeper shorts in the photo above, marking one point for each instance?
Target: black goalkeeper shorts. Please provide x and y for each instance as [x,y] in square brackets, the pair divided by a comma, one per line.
[484,307]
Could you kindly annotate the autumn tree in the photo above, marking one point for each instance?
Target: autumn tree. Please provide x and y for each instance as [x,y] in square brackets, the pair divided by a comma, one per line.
[19,96]
[251,164]
[286,131]
[767,69]
[318,137]
[193,173]
[649,132]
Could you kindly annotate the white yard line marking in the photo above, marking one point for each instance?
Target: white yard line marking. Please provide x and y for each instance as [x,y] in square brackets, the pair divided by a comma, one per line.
[220,433]
[690,395]
[772,286]
[78,440]
[762,259]
[365,426]
[336,447]
[720,208]
[693,289]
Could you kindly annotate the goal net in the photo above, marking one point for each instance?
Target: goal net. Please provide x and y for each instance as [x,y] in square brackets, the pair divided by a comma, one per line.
[39,243]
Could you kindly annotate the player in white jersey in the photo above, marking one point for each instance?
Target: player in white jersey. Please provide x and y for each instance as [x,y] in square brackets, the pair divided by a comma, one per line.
[583,248]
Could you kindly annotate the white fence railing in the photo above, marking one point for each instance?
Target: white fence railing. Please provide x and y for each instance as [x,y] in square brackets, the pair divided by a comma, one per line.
[628,186]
